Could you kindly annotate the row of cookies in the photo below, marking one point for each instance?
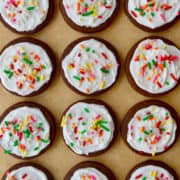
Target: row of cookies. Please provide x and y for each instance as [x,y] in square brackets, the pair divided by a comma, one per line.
[88,15]
[88,127]
[91,170]
[90,66]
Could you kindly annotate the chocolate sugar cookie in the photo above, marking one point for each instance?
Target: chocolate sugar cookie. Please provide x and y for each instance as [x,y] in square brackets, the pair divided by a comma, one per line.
[26,130]
[152,170]
[88,127]
[90,65]
[153,66]
[26,16]
[152,16]
[89,16]
[27,66]
[151,127]
[27,171]
[90,170]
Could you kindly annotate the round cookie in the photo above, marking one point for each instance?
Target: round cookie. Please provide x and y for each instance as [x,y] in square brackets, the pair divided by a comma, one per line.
[152,170]
[150,127]
[27,171]
[89,16]
[153,66]
[90,65]
[88,127]
[27,66]
[152,16]
[89,170]
[27,130]
[26,16]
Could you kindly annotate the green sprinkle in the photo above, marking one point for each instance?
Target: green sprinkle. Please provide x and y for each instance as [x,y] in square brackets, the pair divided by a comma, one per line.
[87,49]
[154,62]
[149,65]
[15,143]
[140,139]
[83,123]
[36,148]
[163,129]
[16,127]
[37,78]
[10,134]
[138,9]
[27,61]
[104,71]
[45,140]
[83,132]
[146,133]
[167,83]
[39,125]
[7,151]
[26,133]
[100,122]
[93,51]
[144,178]
[164,64]
[152,14]
[76,78]
[71,144]
[143,14]
[23,54]
[44,67]
[86,110]
[87,13]
[6,123]
[147,117]
[9,73]
[30,8]
[104,127]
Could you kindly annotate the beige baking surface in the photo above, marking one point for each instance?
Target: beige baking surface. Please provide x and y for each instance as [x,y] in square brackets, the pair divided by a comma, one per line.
[59,159]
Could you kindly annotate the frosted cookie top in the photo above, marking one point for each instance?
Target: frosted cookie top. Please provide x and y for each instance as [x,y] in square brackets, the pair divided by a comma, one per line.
[88,173]
[151,130]
[24,132]
[151,172]
[26,173]
[25,68]
[89,13]
[90,66]
[87,128]
[155,66]
[24,15]
[153,14]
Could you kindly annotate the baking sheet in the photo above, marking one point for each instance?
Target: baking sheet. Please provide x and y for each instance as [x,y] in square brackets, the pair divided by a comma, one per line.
[59,159]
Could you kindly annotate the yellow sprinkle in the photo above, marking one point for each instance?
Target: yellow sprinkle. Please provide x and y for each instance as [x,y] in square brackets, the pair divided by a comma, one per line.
[87,66]
[42,77]
[63,121]
[143,56]
[102,84]
[153,153]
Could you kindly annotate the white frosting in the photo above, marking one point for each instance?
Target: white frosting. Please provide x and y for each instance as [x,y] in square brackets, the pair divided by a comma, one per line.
[151,130]
[153,64]
[24,132]
[27,173]
[88,173]
[24,15]
[89,13]
[87,128]
[151,172]
[90,66]
[155,13]
[26,78]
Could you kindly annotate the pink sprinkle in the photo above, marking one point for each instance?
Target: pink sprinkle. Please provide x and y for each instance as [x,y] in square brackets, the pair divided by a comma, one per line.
[104,55]
[163,17]
[32,119]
